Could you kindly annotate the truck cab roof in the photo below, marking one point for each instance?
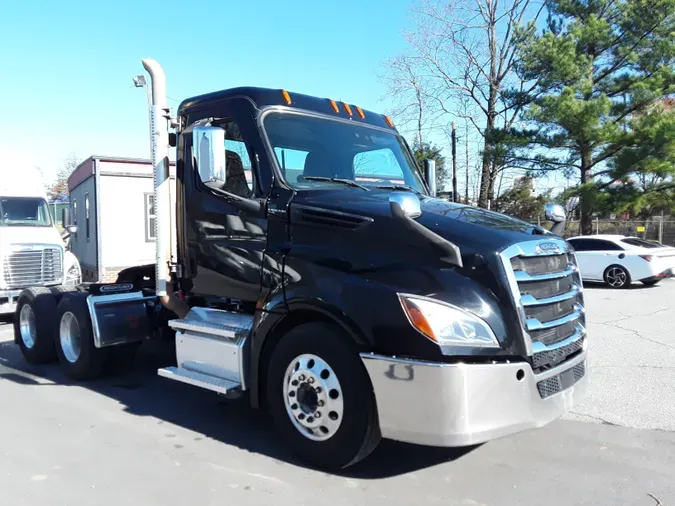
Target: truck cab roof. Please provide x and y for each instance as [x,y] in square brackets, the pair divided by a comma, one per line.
[269,97]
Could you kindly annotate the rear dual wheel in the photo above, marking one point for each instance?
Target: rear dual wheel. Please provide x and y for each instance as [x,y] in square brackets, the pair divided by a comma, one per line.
[35,312]
[75,347]
[78,356]
[321,398]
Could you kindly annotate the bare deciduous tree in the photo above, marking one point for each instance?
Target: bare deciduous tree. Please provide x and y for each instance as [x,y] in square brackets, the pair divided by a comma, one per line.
[463,50]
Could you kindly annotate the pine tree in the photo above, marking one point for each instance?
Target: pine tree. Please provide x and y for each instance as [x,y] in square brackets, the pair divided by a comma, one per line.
[598,66]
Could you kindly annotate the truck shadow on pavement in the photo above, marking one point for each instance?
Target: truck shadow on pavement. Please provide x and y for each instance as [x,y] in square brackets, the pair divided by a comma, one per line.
[232,422]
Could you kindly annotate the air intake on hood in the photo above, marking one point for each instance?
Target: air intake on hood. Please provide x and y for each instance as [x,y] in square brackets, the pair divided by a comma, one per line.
[307,215]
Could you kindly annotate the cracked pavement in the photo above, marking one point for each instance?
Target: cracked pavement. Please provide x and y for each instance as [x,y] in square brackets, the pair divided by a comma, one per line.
[139,439]
[632,357]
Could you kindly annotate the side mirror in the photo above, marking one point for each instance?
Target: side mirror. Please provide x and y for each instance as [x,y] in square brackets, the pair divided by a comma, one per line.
[430,175]
[555,213]
[65,218]
[208,151]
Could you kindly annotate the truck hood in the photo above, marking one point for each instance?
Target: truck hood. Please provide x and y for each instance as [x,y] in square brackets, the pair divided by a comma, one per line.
[29,235]
[472,229]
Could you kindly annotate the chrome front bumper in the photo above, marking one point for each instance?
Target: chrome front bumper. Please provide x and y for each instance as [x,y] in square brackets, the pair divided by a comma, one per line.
[8,300]
[465,404]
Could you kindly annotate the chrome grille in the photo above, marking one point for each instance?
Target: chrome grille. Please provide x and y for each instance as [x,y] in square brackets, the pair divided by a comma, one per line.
[551,358]
[32,267]
[548,291]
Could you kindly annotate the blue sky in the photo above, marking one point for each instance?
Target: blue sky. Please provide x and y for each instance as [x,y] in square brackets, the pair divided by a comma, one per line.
[67,66]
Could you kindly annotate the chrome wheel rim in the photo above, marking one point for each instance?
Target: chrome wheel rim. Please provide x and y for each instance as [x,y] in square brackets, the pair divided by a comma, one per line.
[616,277]
[69,337]
[313,397]
[27,326]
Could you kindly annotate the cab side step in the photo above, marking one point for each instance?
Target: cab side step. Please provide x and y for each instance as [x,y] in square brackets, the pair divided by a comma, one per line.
[211,350]
[205,381]
[214,322]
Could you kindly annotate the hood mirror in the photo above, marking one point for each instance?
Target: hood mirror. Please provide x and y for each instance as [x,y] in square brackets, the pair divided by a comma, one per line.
[555,213]
[409,203]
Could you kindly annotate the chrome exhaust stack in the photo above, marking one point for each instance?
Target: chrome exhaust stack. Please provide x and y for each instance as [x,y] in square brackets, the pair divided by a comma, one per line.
[159,135]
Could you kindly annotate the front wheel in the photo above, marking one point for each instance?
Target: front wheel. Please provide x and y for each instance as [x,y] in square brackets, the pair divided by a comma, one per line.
[617,276]
[321,398]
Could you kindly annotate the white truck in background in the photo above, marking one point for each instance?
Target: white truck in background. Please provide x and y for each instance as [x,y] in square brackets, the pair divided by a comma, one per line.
[32,250]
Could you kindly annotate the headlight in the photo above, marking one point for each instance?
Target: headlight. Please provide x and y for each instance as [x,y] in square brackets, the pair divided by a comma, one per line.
[73,276]
[447,325]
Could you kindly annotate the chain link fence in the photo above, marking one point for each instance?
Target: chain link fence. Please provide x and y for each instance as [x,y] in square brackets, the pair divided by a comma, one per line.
[653,229]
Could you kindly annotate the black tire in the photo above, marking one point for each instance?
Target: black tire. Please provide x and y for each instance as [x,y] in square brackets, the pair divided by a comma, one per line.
[120,358]
[358,433]
[42,304]
[610,276]
[88,363]
[653,282]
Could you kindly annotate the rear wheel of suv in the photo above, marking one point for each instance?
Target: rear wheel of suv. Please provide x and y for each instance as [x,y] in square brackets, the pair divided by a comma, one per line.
[34,325]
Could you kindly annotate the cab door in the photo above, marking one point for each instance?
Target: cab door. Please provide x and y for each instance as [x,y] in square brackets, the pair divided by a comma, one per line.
[224,245]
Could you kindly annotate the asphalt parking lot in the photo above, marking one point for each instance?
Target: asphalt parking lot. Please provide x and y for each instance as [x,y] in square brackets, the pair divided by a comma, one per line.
[140,439]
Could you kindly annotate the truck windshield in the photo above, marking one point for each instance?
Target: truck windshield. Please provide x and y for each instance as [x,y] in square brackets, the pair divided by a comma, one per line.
[24,212]
[313,150]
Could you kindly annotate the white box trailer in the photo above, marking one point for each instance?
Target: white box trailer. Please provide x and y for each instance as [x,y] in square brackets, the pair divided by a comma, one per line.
[112,203]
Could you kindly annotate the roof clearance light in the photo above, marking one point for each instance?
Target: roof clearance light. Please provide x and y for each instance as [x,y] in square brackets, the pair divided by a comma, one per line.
[360,112]
[286,96]
[334,106]
[389,121]
[348,109]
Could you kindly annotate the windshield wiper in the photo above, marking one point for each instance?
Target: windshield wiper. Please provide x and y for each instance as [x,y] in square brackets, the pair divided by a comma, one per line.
[348,182]
[399,187]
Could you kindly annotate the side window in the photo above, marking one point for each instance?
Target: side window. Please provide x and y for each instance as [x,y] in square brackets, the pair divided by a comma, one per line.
[292,163]
[86,215]
[608,246]
[237,176]
[150,217]
[378,164]
[578,244]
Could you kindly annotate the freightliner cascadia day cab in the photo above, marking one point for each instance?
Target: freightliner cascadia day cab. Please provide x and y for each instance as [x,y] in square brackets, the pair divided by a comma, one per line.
[334,289]
[32,251]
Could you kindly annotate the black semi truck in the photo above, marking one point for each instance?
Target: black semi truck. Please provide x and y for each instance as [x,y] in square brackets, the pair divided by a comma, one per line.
[308,266]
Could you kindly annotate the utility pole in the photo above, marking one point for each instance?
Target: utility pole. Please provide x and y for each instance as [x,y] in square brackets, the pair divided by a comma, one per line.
[466,189]
[454,164]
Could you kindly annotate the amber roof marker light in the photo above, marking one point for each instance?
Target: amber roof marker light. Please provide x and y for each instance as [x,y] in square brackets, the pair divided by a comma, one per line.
[389,121]
[335,107]
[359,111]
[287,97]
[348,109]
